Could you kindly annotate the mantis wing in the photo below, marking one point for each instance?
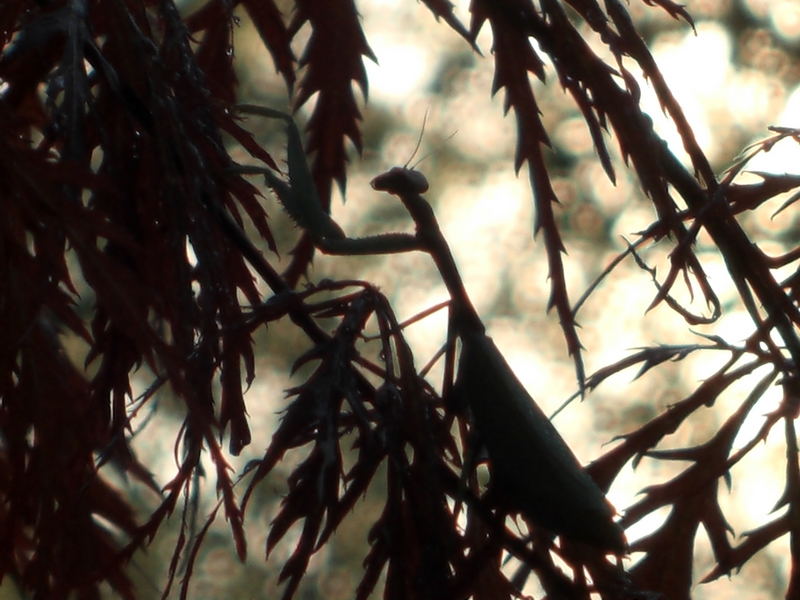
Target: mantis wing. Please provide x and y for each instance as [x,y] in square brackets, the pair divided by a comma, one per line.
[532,467]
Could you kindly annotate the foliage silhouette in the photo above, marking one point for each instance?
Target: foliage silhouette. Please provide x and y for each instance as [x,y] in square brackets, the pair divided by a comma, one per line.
[116,124]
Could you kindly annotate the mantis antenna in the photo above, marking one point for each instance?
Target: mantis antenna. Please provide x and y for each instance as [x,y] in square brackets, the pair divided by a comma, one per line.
[419,142]
[449,137]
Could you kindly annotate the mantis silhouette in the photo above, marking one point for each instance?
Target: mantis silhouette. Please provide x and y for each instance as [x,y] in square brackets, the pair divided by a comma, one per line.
[532,467]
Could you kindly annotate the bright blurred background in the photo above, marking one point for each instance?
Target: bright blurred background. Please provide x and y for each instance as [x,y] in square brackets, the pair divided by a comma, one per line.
[736,75]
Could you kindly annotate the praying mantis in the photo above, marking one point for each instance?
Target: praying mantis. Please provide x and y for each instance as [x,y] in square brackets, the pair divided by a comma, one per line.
[531,465]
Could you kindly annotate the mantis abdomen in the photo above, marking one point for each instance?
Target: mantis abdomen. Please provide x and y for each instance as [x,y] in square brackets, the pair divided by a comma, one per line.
[532,467]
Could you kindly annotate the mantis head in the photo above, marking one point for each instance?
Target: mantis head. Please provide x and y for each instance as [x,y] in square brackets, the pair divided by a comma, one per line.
[404,181]
[400,181]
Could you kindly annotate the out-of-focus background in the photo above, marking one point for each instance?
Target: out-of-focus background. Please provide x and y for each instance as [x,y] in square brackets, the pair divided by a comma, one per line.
[735,75]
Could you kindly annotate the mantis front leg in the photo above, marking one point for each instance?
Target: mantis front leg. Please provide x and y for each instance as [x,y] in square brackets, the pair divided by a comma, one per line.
[299,198]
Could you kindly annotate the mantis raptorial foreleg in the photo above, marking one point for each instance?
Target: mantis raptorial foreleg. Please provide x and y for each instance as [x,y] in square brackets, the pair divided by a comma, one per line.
[532,466]
[299,197]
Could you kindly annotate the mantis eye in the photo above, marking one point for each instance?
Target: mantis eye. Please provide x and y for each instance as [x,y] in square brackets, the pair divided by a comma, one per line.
[399,180]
